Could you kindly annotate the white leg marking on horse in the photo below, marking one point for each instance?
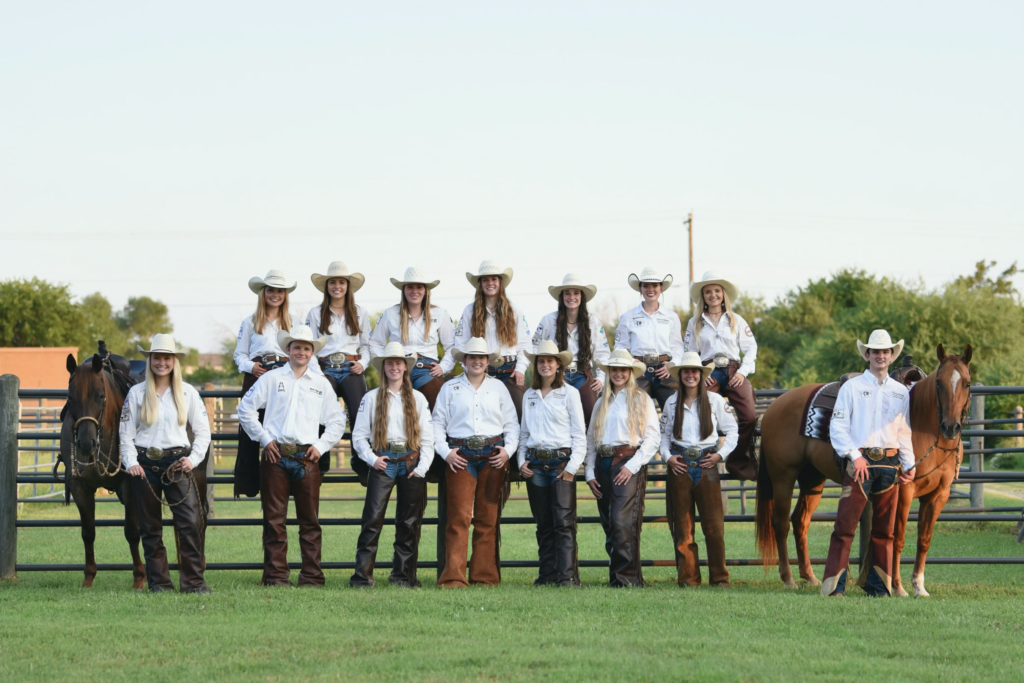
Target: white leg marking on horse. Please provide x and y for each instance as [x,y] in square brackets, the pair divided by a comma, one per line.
[919,591]
[955,379]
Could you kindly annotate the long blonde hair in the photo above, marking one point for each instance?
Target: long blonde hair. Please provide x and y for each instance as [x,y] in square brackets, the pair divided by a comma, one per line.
[403,315]
[504,316]
[259,319]
[638,404]
[698,320]
[380,415]
[151,403]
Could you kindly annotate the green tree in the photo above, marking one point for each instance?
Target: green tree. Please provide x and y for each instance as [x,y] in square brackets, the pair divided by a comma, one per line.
[140,319]
[99,324]
[37,313]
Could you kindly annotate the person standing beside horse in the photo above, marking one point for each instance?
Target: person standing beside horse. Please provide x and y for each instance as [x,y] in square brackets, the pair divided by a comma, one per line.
[297,401]
[156,452]
[622,438]
[652,335]
[721,337]
[573,329]
[257,352]
[870,428]
[502,326]
[689,438]
[394,437]
[552,445]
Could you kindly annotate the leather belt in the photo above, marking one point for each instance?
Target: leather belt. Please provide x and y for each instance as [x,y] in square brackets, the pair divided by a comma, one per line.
[653,360]
[409,455]
[423,362]
[497,371]
[571,367]
[476,443]
[337,360]
[291,450]
[617,453]
[722,361]
[270,359]
[547,454]
[875,454]
[692,453]
[157,453]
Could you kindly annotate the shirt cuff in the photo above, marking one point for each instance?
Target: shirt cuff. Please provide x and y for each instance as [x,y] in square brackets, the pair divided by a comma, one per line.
[246,366]
[854,454]
[634,464]
[588,473]
[196,458]
[265,438]
[130,459]
[322,446]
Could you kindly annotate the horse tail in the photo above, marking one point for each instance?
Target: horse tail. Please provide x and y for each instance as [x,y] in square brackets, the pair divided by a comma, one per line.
[765,504]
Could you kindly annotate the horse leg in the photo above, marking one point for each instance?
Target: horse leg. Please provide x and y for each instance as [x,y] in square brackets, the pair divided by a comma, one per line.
[928,514]
[132,534]
[85,499]
[812,482]
[900,536]
[783,501]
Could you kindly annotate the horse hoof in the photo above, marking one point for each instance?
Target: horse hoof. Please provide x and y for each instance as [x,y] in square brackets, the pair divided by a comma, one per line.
[920,592]
[791,584]
[87,583]
[900,593]
[813,580]
[139,583]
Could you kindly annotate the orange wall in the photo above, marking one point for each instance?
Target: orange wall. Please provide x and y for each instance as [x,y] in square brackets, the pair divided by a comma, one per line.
[37,367]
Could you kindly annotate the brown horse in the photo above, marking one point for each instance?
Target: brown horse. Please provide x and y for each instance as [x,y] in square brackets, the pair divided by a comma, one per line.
[938,407]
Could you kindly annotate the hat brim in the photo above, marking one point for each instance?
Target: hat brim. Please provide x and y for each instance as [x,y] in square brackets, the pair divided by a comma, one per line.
[697,290]
[638,368]
[505,275]
[635,282]
[564,357]
[675,370]
[355,281]
[589,291]
[378,362]
[180,354]
[285,338]
[257,285]
[492,358]
[897,348]
[399,284]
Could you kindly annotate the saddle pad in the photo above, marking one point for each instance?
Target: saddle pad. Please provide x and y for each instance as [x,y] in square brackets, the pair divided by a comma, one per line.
[818,411]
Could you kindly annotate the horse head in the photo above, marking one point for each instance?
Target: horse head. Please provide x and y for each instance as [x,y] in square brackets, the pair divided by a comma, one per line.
[953,390]
[87,405]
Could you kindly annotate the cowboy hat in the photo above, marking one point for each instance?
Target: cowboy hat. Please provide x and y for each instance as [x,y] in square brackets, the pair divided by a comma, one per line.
[622,358]
[490,268]
[300,333]
[573,281]
[880,339]
[477,347]
[649,274]
[690,359]
[393,350]
[712,278]
[550,348]
[164,343]
[338,269]
[275,279]
[415,276]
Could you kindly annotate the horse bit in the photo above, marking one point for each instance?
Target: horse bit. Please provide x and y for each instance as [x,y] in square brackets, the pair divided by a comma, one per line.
[76,464]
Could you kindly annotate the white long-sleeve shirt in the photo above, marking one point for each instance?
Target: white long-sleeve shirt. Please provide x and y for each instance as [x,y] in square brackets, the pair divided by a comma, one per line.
[389,328]
[872,415]
[616,433]
[554,421]
[716,339]
[339,340]
[642,332]
[599,350]
[464,332]
[461,411]
[250,344]
[295,409]
[722,418]
[165,432]
[362,433]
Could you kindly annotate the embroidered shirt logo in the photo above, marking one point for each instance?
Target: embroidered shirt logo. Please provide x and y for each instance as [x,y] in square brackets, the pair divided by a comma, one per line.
[125,412]
[280,387]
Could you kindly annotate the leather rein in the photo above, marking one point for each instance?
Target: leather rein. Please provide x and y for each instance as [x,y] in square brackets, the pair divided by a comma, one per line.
[956,448]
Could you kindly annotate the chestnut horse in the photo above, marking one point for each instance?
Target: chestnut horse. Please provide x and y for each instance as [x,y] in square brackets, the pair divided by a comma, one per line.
[938,408]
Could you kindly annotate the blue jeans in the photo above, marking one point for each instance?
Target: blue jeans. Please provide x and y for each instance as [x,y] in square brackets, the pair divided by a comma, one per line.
[474,464]
[506,376]
[420,376]
[721,375]
[576,379]
[545,478]
[692,466]
[340,374]
[395,469]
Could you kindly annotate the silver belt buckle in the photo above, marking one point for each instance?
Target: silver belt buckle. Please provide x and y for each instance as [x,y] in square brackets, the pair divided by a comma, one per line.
[288,449]
[571,367]
[693,452]
[722,361]
[336,358]
[543,454]
[476,443]
[874,453]
[605,451]
[398,446]
[652,359]
[154,453]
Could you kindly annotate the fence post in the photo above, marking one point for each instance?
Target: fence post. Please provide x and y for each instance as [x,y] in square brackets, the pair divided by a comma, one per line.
[1018,413]
[211,406]
[8,476]
[977,459]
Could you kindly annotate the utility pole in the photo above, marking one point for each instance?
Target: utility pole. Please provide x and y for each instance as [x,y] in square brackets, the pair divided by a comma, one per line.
[689,230]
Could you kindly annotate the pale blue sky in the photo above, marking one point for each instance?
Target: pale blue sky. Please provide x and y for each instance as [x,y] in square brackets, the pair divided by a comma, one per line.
[176,150]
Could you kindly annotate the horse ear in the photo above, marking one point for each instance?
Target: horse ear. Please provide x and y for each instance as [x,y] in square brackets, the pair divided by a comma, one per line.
[968,352]
[97,363]
[71,365]
[941,353]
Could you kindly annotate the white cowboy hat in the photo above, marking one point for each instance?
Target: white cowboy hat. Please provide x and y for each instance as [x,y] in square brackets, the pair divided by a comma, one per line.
[338,269]
[622,358]
[164,343]
[550,348]
[649,274]
[275,279]
[415,276]
[300,333]
[712,278]
[393,350]
[477,347]
[490,268]
[880,339]
[690,359]
[573,281]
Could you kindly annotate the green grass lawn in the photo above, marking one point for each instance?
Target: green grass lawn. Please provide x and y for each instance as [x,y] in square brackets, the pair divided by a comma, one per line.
[972,628]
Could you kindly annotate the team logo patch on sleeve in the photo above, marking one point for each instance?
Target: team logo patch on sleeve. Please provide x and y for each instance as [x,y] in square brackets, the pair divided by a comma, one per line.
[747,331]
[839,415]
[125,412]
[240,330]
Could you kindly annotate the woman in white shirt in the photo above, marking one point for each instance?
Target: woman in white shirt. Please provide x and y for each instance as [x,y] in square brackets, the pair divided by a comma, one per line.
[573,329]
[420,327]
[347,327]
[394,437]
[256,352]
[622,439]
[689,439]
[156,452]
[724,339]
[495,319]
[552,445]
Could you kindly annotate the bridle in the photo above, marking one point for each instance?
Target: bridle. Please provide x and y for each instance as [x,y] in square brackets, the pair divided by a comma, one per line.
[957,448]
[101,468]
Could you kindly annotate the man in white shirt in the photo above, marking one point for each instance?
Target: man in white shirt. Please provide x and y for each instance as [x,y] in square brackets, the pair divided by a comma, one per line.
[870,429]
[475,429]
[296,403]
